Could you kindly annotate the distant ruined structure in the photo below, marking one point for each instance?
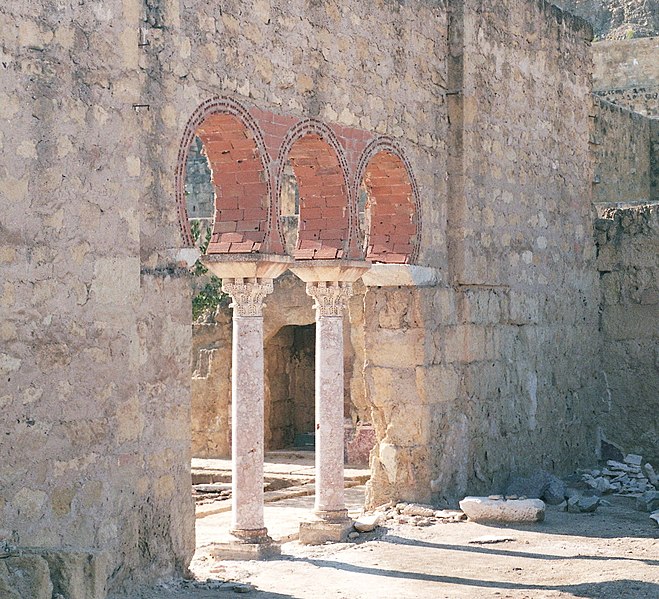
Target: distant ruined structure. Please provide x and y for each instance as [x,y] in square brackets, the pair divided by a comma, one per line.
[436,195]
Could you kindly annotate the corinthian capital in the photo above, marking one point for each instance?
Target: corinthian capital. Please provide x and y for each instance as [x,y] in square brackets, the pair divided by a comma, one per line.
[331,298]
[247,295]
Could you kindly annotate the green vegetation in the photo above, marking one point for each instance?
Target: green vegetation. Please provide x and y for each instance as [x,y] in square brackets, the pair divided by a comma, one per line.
[208,297]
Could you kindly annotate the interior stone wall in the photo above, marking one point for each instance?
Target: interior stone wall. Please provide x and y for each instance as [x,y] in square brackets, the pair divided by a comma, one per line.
[623,154]
[628,246]
[211,386]
[626,72]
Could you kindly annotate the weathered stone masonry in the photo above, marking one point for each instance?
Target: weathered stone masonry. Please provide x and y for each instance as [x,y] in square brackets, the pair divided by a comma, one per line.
[490,368]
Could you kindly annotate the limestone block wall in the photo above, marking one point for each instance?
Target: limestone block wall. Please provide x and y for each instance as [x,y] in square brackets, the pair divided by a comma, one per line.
[211,387]
[94,317]
[628,247]
[623,154]
[626,72]
[498,369]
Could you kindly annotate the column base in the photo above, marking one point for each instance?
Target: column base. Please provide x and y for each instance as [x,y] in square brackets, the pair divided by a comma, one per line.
[318,532]
[249,545]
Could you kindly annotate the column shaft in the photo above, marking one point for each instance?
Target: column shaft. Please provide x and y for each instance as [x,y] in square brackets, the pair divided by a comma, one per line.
[247,407]
[331,299]
[247,425]
[330,501]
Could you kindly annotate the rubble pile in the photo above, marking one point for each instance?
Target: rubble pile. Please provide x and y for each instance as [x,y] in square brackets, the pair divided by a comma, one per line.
[630,478]
[417,514]
[207,493]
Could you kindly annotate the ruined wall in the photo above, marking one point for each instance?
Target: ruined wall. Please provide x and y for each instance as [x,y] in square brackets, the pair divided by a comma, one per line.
[95,319]
[626,72]
[211,386]
[616,19]
[500,364]
[623,154]
[628,263]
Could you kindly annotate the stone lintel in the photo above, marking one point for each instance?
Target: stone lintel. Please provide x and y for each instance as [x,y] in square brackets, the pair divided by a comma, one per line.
[318,532]
[401,275]
[246,266]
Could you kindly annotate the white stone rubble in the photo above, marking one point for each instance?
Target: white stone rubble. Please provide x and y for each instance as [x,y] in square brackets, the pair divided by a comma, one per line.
[623,478]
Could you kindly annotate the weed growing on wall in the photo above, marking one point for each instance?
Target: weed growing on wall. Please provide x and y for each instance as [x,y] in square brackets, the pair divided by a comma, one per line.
[207,289]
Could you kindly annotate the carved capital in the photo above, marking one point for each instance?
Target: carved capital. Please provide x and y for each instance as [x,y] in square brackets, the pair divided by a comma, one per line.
[331,298]
[247,295]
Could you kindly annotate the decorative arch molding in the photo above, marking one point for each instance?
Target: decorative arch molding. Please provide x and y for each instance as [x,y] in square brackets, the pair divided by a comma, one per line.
[313,128]
[232,108]
[387,146]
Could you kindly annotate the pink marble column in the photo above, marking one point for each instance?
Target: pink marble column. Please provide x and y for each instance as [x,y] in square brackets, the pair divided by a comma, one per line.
[331,299]
[247,522]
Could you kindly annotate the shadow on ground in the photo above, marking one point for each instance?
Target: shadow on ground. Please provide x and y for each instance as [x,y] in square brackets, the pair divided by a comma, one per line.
[610,589]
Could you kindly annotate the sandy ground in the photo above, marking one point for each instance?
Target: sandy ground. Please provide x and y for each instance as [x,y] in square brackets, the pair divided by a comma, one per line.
[610,554]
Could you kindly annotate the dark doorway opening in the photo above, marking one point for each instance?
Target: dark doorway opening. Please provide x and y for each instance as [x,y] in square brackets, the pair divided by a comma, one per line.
[289,389]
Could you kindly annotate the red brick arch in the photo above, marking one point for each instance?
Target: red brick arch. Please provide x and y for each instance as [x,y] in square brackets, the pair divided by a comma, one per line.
[394,233]
[327,214]
[240,169]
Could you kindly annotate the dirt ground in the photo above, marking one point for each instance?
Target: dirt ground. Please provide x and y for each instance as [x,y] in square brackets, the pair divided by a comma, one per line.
[610,554]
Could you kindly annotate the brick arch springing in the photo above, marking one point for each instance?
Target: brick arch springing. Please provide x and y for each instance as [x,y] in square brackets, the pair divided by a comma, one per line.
[394,231]
[327,209]
[236,152]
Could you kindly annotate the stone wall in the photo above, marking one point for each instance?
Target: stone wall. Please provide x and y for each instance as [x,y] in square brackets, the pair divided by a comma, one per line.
[95,325]
[616,19]
[500,365]
[628,246]
[199,191]
[626,72]
[493,371]
[623,153]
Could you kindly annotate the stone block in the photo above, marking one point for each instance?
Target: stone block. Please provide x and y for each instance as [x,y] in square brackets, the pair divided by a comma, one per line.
[367,522]
[483,509]
[78,575]
[397,348]
[245,551]
[318,532]
[25,576]
[648,502]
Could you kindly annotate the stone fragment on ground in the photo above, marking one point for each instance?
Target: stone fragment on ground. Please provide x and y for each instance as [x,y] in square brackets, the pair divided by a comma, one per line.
[622,478]
[490,540]
[580,504]
[367,522]
[651,475]
[648,502]
[484,509]
[417,509]
[451,515]
[540,485]
[633,459]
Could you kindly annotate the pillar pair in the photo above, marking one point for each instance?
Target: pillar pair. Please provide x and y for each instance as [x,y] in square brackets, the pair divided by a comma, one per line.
[331,298]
